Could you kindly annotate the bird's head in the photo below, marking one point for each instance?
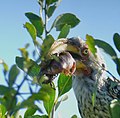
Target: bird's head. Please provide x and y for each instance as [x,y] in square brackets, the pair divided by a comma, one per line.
[86,62]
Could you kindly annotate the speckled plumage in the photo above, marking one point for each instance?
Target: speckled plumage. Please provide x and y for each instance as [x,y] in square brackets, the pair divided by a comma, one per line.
[84,87]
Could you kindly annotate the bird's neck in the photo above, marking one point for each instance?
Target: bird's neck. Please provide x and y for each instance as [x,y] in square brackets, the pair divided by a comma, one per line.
[85,85]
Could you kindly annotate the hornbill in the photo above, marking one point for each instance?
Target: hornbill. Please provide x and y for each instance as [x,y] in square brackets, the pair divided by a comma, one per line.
[73,57]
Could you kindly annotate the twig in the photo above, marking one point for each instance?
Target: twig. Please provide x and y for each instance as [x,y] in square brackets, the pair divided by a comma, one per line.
[45,24]
[53,112]
[24,93]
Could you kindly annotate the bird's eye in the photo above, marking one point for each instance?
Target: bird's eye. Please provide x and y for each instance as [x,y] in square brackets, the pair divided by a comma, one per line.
[85,51]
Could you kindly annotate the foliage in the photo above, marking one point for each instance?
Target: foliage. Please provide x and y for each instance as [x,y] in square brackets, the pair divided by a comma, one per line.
[110,51]
[37,28]
[115,109]
[91,44]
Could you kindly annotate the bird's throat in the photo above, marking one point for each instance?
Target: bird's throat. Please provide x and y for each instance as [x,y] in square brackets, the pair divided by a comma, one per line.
[82,68]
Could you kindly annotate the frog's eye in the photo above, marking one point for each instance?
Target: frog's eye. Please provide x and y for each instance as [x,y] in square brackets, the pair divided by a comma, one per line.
[85,52]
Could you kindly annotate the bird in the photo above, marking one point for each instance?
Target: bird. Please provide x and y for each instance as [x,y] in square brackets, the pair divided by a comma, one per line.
[93,89]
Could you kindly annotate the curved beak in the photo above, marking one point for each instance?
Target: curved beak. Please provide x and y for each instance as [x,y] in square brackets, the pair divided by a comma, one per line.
[63,45]
[73,46]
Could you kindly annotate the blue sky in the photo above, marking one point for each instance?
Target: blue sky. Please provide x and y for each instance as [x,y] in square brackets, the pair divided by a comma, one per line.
[101,19]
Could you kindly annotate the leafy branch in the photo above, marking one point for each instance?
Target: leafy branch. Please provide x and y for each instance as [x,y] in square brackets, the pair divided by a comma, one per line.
[37,28]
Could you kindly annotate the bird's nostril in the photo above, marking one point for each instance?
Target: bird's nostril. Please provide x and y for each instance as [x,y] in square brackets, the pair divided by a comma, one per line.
[103,65]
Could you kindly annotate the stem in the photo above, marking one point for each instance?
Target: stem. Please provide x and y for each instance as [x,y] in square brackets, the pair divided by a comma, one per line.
[111,74]
[45,13]
[24,93]
[21,84]
[41,8]
[21,97]
[6,80]
[53,112]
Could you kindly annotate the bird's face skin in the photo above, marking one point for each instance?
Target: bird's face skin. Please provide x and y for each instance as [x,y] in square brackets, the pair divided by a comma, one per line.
[82,60]
[86,62]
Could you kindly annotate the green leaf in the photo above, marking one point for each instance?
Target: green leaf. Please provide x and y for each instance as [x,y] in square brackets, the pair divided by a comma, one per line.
[110,51]
[64,84]
[2,110]
[24,52]
[13,73]
[20,61]
[74,116]
[37,22]
[42,95]
[28,66]
[51,10]
[118,65]
[48,104]
[67,18]
[93,98]
[95,92]
[27,45]
[51,1]
[91,44]
[5,67]
[115,109]
[29,102]
[30,111]
[41,2]
[24,104]
[116,39]
[4,89]
[65,31]
[107,48]
[10,103]
[20,116]
[46,46]
[31,29]
[38,116]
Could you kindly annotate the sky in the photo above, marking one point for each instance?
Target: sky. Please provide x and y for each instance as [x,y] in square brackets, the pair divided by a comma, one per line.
[101,19]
